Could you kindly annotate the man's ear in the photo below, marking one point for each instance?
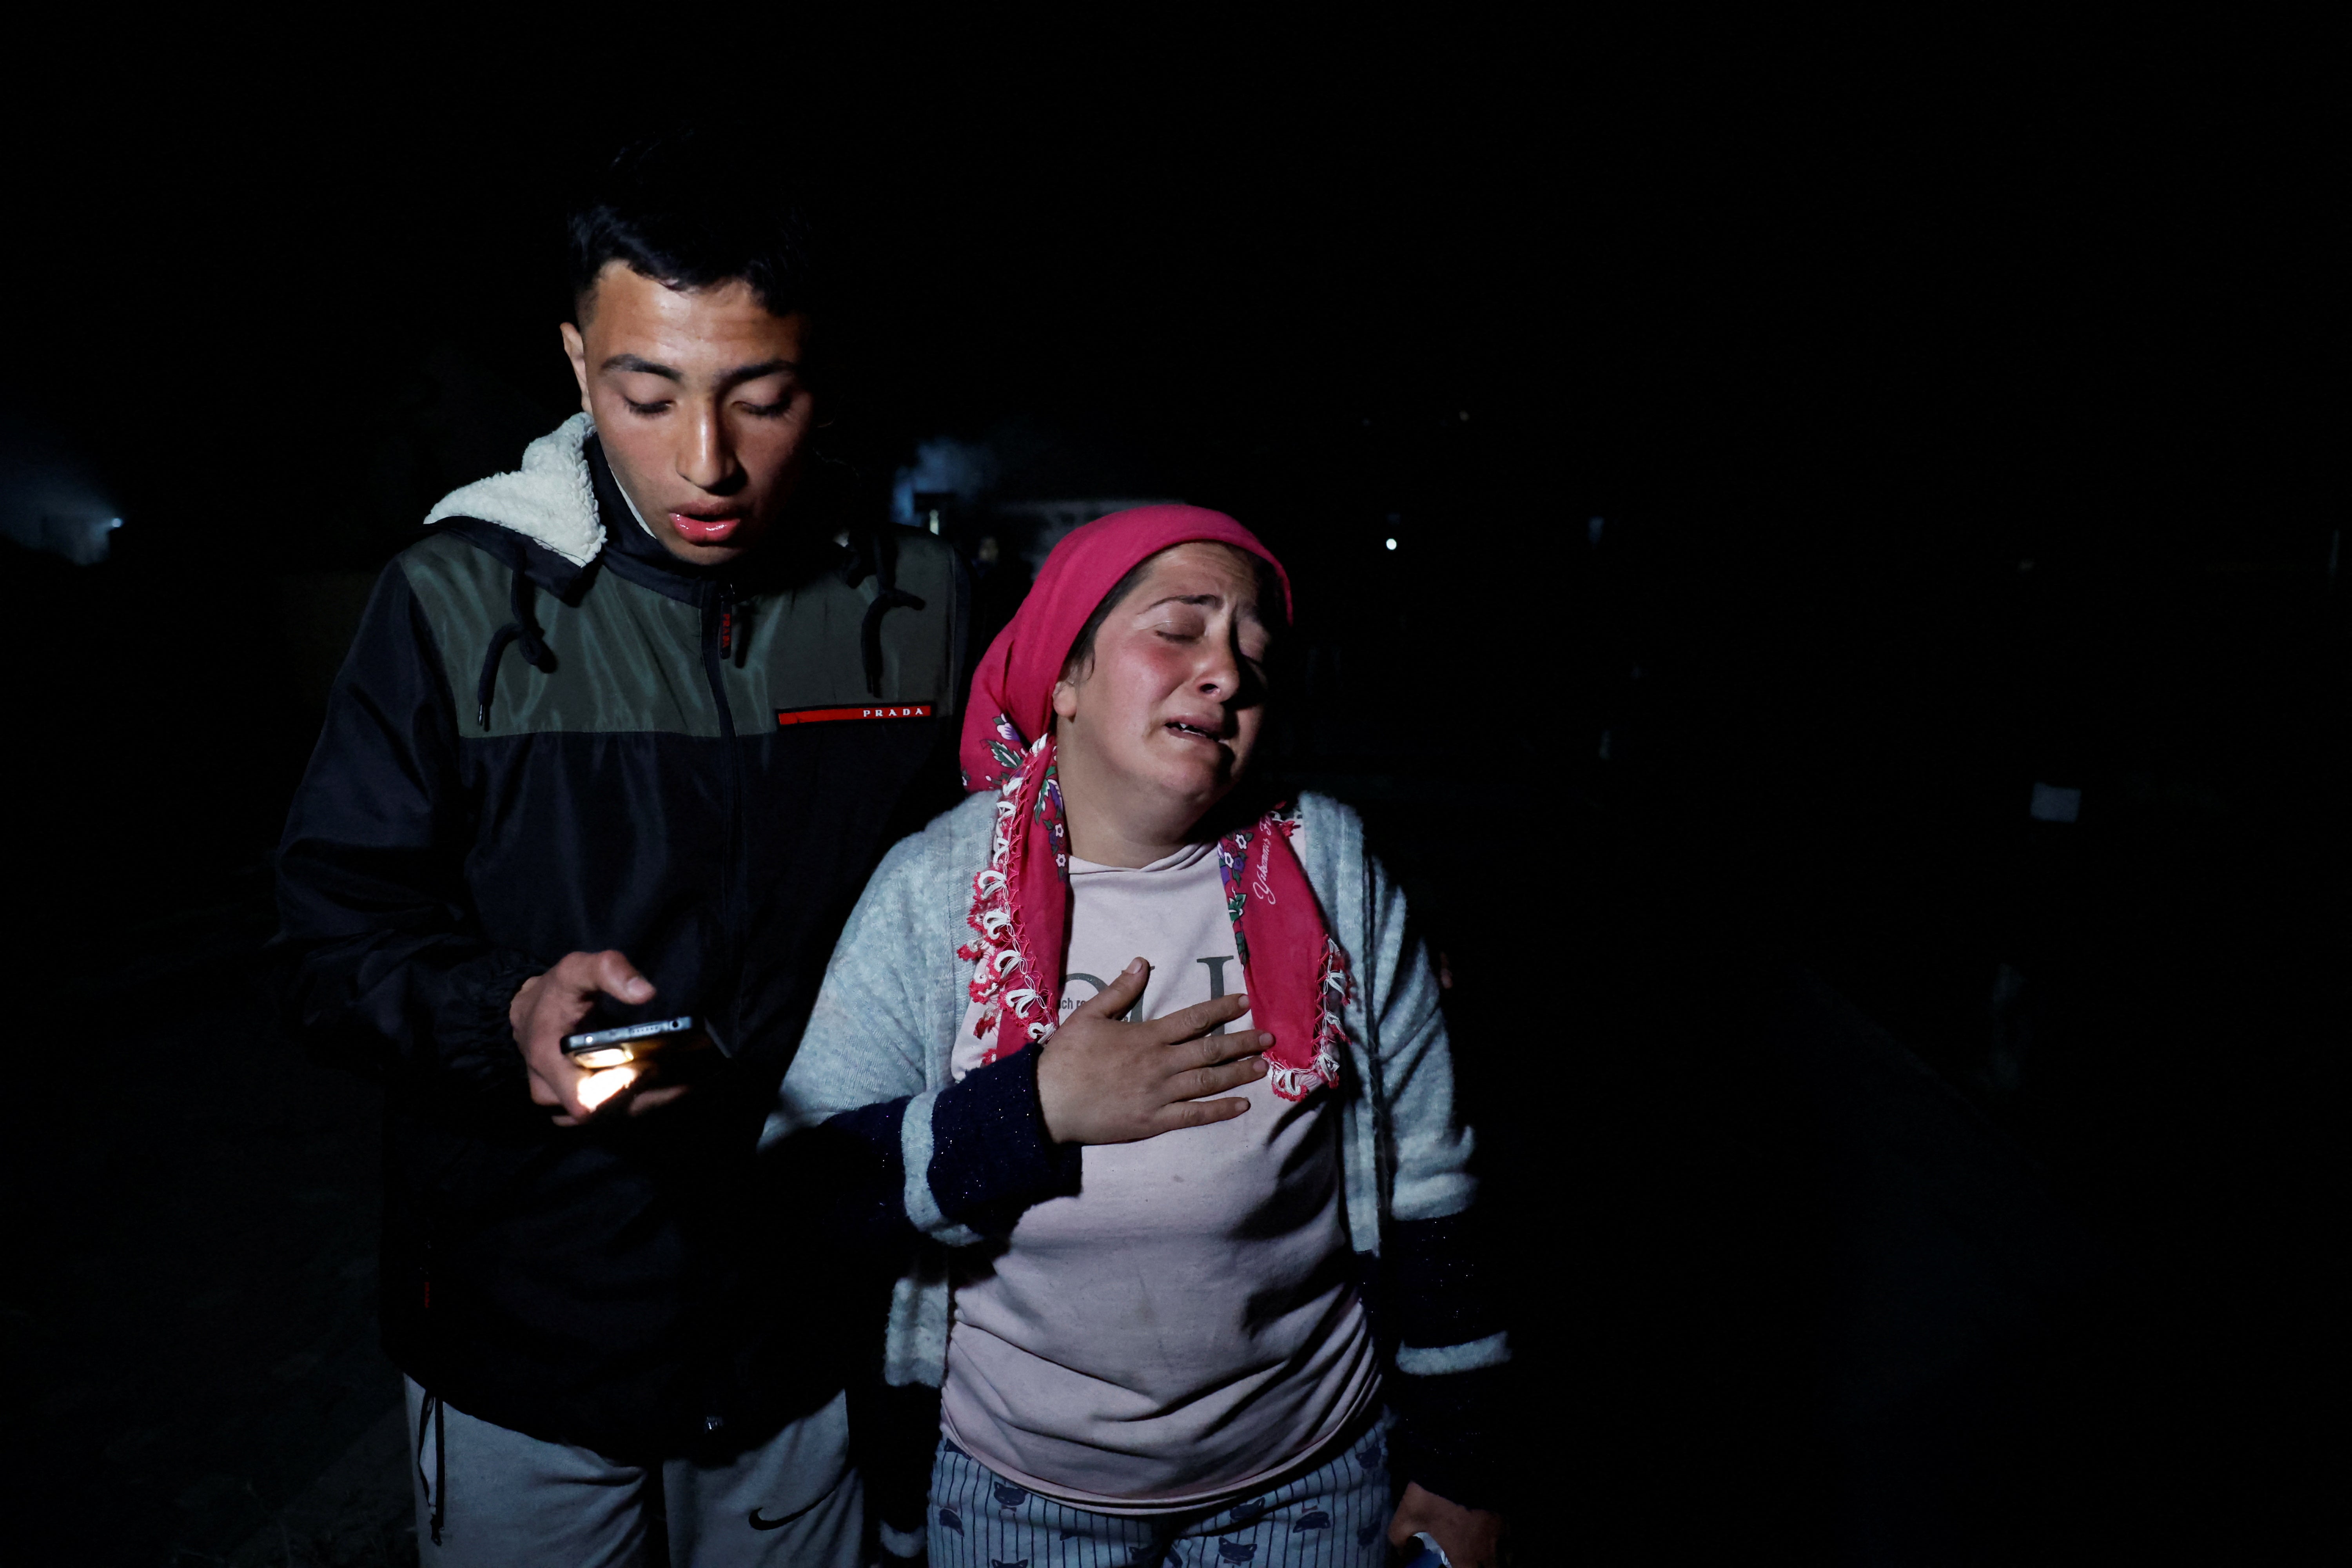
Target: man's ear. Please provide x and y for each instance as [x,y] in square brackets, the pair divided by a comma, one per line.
[575,349]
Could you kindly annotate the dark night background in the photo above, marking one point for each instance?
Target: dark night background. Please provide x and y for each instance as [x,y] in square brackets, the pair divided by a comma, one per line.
[1885,1175]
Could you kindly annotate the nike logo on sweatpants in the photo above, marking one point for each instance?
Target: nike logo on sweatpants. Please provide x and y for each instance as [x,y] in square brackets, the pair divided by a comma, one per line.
[758,1523]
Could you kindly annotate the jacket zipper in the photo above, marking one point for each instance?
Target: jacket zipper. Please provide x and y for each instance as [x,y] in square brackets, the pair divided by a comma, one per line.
[718,640]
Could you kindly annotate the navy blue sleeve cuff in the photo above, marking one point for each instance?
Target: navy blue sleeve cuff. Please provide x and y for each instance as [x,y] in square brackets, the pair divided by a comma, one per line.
[850,1168]
[1433,1291]
[991,1157]
[1434,1286]
[1449,1436]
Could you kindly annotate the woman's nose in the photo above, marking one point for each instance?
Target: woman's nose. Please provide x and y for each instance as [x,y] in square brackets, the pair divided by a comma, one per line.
[1221,675]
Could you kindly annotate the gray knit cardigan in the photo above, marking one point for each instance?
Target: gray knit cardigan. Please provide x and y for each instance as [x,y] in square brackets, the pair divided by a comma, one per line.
[894,996]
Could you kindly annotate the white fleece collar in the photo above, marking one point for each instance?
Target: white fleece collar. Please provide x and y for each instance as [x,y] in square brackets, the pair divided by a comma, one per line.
[631,502]
[551,500]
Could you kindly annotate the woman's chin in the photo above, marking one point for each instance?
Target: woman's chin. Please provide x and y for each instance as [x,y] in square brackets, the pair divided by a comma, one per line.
[1205,796]
[1190,792]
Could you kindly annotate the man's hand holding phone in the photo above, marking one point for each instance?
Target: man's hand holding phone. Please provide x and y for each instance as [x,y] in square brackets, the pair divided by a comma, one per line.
[551,1006]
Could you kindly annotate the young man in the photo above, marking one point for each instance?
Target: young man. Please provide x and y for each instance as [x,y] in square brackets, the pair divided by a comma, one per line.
[620,739]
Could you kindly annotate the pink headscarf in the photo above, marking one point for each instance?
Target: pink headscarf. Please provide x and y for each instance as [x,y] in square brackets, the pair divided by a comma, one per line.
[1020,900]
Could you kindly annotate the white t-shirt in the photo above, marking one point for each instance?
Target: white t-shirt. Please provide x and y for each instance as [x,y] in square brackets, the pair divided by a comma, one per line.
[1188,1325]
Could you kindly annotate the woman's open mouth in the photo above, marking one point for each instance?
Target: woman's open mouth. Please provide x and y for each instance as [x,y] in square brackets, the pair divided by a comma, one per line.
[703,529]
[1178,727]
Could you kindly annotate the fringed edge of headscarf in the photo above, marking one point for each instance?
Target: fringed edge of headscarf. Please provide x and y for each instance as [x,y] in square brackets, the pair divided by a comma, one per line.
[1003,982]
[1332,980]
[996,956]
[1330,1029]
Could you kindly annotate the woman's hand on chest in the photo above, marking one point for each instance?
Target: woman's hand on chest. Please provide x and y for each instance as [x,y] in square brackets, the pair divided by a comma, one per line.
[1103,1081]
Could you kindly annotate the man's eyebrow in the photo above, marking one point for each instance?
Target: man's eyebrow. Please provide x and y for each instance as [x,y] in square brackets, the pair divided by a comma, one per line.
[735,377]
[643,366]
[742,373]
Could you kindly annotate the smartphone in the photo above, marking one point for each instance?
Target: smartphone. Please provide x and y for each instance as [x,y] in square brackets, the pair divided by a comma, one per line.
[602,1048]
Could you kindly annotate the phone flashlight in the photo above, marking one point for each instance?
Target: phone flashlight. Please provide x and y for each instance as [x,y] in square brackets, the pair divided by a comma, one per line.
[603,1048]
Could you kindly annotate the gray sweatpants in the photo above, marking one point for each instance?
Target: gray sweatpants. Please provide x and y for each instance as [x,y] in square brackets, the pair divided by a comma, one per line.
[511,1501]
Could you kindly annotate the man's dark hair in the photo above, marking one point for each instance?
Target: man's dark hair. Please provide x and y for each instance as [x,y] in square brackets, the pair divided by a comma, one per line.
[694,208]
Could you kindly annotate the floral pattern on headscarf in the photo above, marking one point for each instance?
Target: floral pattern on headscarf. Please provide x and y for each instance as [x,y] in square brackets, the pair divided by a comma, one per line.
[1295,972]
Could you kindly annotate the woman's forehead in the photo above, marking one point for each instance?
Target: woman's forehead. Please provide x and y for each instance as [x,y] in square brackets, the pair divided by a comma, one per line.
[1203,568]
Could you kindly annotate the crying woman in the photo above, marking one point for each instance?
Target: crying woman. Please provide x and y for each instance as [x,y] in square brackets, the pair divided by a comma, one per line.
[1155,1108]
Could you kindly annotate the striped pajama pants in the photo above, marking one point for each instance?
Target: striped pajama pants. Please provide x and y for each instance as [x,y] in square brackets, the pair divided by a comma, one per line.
[1335,1516]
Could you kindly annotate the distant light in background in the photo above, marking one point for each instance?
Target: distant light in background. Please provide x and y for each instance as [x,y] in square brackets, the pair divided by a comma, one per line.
[1392,544]
[1042,524]
[943,466]
[50,500]
[77,535]
[2054,803]
[1465,416]
[1593,527]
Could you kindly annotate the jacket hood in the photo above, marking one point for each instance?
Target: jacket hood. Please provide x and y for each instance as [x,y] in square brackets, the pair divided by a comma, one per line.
[549,500]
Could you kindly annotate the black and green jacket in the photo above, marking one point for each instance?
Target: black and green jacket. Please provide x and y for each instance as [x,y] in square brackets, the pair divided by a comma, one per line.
[552,736]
